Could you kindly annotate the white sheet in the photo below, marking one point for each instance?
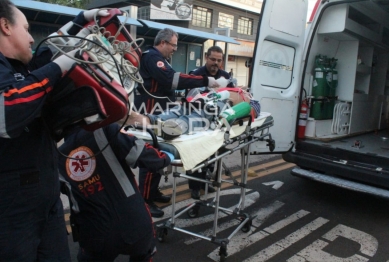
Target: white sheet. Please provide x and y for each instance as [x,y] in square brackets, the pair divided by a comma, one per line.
[195,148]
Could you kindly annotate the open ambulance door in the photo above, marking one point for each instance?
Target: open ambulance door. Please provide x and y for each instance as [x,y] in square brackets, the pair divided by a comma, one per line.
[277,68]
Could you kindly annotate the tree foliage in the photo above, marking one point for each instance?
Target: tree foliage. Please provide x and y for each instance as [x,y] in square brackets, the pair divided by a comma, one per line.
[72,3]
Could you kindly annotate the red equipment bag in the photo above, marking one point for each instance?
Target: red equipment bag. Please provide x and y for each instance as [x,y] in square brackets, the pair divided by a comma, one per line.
[111,94]
[113,24]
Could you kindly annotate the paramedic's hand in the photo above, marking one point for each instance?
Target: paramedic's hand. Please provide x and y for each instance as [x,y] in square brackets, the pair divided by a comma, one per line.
[170,155]
[212,82]
[66,61]
[90,14]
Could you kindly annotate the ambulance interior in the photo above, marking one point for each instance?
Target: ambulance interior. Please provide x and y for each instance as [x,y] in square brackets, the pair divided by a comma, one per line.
[347,80]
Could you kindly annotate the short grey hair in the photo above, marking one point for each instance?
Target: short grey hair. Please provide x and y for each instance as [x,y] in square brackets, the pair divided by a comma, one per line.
[165,34]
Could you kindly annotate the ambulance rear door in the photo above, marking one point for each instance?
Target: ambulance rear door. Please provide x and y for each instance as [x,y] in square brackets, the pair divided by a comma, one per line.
[278,68]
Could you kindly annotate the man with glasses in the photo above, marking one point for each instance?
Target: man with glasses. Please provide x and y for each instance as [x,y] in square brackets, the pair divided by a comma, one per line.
[154,96]
[213,62]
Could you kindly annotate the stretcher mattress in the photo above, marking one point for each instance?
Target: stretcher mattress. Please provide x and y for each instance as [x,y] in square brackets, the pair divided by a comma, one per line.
[196,147]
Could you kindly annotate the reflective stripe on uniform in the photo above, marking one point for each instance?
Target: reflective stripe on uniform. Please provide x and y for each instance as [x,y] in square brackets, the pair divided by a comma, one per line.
[135,152]
[3,131]
[113,162]
[176,78]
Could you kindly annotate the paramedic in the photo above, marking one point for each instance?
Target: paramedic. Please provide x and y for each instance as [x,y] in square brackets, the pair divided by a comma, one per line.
[160,83]
[107,209]
[32,223]
[213,61]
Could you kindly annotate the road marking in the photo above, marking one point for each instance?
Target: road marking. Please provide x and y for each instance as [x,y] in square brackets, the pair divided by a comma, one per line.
[246,240]
[276,184]
[251,198]
[261,169]
[368,246]
[261,215]
[282,244]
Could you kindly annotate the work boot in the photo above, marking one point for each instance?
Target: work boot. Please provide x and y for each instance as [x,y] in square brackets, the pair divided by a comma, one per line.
[161,198]
[173,128]
[155,211]
[195,194]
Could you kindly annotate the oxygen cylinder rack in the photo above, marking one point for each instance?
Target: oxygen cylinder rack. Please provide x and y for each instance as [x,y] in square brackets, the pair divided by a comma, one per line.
[324,84]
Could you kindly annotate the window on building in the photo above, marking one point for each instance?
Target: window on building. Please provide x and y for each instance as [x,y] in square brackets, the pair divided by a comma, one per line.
[226,20]
[201,17]
[144,12]
[245,26]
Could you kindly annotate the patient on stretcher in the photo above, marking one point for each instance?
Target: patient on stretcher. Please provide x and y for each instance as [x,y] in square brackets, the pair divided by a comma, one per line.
[201,111]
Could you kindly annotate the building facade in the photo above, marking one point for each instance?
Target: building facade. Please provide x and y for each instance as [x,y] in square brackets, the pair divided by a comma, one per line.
[237,19]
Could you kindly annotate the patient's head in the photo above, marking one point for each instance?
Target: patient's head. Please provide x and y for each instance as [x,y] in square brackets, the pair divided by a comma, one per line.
[237,95]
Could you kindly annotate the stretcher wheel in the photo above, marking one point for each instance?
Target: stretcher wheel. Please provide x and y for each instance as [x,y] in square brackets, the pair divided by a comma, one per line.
[246,228]
[162,232]
[223,252]
[193,212]
[271,144]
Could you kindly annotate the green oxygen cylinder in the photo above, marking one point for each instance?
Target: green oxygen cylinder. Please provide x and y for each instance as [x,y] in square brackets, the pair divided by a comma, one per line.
[333,84]
[240,110]
[320,88]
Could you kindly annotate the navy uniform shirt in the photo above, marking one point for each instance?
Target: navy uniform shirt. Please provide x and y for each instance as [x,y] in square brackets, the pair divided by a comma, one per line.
[161,81]
[103,190]
[220,73]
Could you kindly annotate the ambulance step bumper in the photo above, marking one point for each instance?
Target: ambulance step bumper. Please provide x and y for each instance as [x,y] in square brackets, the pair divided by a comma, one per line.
[339,182]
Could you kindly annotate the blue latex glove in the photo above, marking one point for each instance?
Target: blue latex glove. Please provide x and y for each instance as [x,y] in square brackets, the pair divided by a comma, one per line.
[170,155]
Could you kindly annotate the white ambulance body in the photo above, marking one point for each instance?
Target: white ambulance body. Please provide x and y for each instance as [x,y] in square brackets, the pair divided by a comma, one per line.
[326,84]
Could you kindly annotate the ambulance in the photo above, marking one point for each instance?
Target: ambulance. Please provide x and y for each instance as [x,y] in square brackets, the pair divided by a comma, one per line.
[326,83]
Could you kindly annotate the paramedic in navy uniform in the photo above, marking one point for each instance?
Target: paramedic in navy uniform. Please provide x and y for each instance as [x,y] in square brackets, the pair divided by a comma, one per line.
[107,207]
[32,226]
[161,80]
[213,61]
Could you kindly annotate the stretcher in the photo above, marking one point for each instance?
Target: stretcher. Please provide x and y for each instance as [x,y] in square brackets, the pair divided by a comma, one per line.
[210,147]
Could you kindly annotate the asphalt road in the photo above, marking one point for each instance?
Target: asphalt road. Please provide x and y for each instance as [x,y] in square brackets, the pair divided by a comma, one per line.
[293,219]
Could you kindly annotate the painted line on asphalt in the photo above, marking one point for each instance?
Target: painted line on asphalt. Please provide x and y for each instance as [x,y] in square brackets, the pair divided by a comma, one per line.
[237,245]
[260,169]
[261,215]
[251,196]
[286,242]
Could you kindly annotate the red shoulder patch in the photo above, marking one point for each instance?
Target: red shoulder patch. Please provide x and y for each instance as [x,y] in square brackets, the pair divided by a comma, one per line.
[160,64]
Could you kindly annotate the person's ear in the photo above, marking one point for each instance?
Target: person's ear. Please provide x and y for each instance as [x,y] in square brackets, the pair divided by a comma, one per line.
[4,26]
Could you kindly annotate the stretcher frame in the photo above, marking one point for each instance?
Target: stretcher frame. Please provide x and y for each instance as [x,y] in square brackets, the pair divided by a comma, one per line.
[244,140]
